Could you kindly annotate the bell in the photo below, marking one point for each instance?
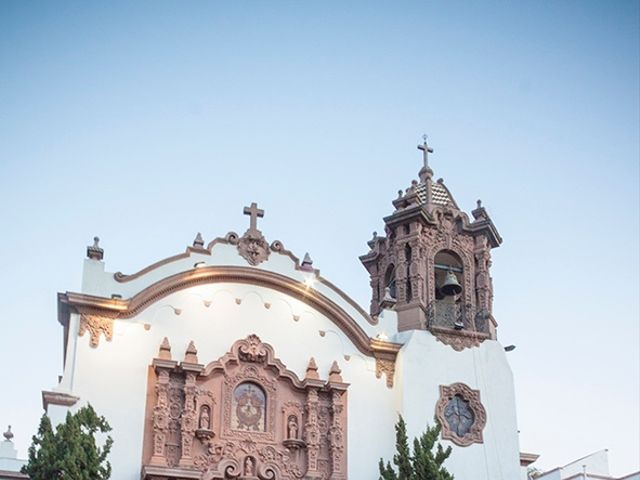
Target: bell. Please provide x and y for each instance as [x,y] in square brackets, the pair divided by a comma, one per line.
[450,285]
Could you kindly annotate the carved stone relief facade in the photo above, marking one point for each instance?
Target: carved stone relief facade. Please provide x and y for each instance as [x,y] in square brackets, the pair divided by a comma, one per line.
[461,414]
[244,416]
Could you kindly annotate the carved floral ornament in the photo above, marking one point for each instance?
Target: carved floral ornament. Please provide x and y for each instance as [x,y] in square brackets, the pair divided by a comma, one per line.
[96,325]
[459,340]
[461,415]
[244,416]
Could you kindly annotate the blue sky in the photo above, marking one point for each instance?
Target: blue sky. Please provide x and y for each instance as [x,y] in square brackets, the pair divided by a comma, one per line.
[146,122]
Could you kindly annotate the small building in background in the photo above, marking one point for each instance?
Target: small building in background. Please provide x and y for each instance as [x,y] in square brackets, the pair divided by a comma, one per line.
[592,467]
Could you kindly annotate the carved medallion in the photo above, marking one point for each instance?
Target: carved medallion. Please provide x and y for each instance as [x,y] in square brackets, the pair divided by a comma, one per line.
[252,350]
[253,247]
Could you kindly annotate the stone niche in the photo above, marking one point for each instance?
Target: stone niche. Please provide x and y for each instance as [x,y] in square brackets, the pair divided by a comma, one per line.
[243,416]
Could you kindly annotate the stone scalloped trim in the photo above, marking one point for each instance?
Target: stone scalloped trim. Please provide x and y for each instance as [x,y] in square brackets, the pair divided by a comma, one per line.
[98,313]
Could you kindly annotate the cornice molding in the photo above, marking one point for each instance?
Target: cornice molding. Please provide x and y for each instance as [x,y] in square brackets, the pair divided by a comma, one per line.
[11,475]
[123,278]
[57,398]
[527,459]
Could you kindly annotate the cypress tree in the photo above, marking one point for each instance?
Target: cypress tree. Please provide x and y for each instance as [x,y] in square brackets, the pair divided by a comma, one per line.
[423,463]
[70,452]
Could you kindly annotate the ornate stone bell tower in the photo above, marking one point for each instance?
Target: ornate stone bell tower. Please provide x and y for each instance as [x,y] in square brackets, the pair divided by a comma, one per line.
[432,267]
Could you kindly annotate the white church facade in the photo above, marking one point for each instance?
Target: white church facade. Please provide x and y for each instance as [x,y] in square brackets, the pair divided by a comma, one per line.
[236,360]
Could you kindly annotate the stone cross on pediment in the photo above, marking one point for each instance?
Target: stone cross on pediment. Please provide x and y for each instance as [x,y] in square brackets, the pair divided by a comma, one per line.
[252,246]
[254,212]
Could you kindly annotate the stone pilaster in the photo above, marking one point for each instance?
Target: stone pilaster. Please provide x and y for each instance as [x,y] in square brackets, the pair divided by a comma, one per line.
[189,422]
[337,436]
[161,411]
[312,434]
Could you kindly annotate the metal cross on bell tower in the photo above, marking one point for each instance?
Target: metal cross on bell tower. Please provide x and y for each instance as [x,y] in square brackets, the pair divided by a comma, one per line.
[426,150]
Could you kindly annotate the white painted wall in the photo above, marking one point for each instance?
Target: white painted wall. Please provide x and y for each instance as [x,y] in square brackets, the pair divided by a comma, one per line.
[113,377]
[427,363]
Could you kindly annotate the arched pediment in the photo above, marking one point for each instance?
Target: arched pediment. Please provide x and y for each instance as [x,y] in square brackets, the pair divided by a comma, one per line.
[106,309]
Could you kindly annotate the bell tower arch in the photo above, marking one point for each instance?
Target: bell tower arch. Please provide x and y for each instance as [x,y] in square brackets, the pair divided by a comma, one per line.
[434,263]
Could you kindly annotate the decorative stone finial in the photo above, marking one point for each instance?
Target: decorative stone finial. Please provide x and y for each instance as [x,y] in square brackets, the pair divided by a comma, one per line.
[191,355]
[198,242]
[94,252]
[307,263]
[479,213]
[312,370]
[8,435]
[374,239]
[165,350]
[334,373]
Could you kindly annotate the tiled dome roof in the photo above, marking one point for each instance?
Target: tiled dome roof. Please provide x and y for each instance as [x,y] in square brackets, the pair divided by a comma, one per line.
[439,193]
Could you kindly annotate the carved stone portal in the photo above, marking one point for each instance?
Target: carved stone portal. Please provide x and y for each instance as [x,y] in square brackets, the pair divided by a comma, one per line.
[244,416]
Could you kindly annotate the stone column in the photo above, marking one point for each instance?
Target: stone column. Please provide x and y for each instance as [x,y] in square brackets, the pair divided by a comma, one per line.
[188,422]
[375,295]
[484,295]
[416,272]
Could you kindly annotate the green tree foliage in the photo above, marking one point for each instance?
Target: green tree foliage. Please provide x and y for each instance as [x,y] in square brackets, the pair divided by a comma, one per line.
[424,463]
[70,452]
